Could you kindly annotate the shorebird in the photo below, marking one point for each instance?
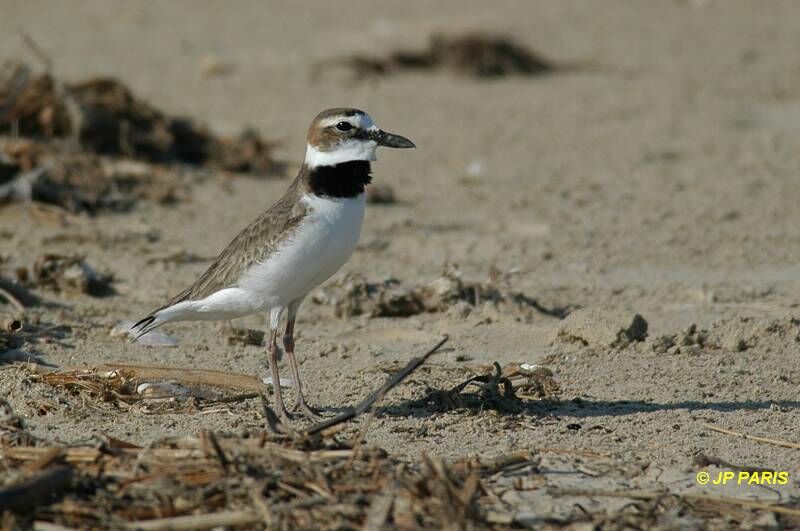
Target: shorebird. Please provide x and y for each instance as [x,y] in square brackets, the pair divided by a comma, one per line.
[297,244]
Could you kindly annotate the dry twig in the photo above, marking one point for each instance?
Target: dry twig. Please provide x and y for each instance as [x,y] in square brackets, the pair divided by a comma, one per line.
[15,302]
[352,412]
[774,442]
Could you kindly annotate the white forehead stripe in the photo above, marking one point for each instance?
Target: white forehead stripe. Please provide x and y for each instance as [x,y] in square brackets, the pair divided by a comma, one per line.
[347,151]
[361,120]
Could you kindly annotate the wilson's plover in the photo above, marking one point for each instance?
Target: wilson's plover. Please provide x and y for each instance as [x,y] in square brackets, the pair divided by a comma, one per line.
[300,242]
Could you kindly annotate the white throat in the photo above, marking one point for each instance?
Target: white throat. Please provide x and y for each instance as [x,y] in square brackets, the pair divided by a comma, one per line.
[347,151]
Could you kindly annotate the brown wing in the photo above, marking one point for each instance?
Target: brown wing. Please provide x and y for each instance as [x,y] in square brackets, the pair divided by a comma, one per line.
[255,243]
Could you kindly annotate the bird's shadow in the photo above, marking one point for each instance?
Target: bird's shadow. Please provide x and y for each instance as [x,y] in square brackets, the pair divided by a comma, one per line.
[496,392]
[578,408]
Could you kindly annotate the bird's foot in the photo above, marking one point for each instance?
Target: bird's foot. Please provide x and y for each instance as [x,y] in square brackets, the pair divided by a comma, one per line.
[277,419]
[309,412]
[284,416]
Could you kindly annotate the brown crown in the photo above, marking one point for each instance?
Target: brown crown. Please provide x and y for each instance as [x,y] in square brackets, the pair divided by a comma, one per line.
[323,137]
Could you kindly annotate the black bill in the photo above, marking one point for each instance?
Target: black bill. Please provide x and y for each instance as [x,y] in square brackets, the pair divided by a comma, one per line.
[391,140]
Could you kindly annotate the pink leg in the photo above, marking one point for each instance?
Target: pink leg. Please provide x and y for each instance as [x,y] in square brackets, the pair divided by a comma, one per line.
[272,349]
[288,346]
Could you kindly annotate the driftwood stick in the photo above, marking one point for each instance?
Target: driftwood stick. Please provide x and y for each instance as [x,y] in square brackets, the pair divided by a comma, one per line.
[352,412]
[40,525]
[214,378]
[197,521]
[46,459]
[492,465]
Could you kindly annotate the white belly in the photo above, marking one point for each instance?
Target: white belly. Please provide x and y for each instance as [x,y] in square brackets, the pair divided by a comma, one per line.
[322,243]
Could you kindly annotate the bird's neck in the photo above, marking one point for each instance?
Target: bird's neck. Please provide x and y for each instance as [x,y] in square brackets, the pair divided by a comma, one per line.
[346,179]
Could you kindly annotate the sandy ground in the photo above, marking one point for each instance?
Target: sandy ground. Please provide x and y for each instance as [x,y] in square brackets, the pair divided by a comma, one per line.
[658,175]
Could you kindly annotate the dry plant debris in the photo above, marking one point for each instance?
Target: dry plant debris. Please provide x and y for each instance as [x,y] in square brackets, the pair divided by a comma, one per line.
[78,181]
[494,392]
[354,295]
[301,480]
[262,481]
[736,334]
[245,336]
[210,480]
[532,381]
[13,431]
[125,386]
[473,54]
[94,146]
[107,118]
[66,274]
[133,376]
[306,479]
[494,389]
[111,387]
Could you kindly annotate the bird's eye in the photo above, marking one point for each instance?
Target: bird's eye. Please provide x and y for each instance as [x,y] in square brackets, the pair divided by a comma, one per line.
[344,126]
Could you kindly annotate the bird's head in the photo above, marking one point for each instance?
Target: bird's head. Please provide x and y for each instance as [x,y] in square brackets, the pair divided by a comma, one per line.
[345,135]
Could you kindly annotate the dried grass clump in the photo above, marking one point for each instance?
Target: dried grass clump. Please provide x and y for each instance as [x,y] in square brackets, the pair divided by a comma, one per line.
[355,295]
[105,117]
[494,389]
[54,173]
[94,146]
[69,274]
[473,54]
[252,481]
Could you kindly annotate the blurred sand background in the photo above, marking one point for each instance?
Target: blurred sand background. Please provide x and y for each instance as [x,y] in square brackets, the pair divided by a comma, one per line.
[656,174]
